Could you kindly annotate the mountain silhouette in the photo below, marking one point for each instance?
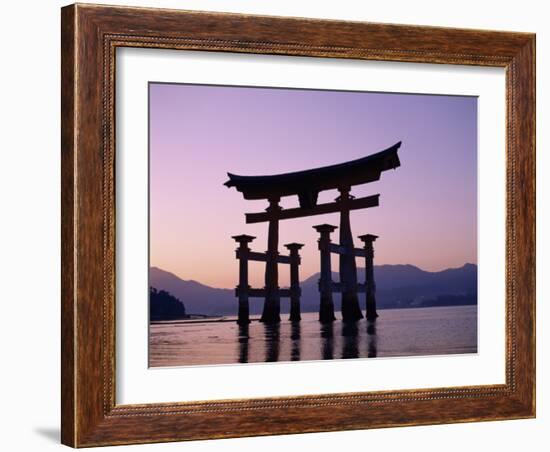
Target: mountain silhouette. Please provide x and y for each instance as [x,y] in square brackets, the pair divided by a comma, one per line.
[397,286]
[197,298]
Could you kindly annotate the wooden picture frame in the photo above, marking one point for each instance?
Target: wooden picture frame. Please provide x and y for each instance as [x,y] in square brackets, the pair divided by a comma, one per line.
[90,36]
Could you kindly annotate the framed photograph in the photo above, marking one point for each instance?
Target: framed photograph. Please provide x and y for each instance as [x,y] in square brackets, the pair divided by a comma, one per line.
[282,225]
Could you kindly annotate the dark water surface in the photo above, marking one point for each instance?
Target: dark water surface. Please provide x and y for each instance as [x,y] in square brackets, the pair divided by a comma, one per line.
[397,332]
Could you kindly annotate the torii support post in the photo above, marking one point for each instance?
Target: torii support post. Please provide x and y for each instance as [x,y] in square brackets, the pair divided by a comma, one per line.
[326,308]
[243,252]
[295,291]
[370,285]
[272,304]
[351,310]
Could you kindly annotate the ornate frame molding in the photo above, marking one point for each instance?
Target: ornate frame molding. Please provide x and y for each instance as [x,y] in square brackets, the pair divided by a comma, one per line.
[90,37]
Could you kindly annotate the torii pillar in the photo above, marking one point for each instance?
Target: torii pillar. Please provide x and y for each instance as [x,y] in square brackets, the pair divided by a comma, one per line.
[295,291]
[272,305]
[351,310]
[326,307]
[243,288]
[370,285]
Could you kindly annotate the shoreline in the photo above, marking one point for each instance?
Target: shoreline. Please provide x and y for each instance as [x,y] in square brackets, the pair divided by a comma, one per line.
[223,319]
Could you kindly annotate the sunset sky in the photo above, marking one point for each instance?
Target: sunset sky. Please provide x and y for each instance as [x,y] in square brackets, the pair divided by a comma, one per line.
[428,207]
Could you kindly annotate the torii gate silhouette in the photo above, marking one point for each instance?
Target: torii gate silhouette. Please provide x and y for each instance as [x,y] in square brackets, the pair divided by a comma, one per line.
[307,185]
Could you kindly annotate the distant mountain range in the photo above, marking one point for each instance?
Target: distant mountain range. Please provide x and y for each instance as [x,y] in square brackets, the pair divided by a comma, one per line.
[397,286]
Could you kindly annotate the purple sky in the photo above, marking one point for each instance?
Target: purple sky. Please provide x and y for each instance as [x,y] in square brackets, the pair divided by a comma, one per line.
[428,207]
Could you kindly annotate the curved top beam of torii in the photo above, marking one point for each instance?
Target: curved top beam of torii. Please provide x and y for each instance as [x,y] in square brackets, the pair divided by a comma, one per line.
[308,183]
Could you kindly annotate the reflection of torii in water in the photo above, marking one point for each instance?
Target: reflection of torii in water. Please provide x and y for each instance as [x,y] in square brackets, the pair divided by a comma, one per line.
[307,185]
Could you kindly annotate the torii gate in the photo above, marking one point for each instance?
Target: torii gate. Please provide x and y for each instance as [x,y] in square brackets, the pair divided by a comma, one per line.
[307,185]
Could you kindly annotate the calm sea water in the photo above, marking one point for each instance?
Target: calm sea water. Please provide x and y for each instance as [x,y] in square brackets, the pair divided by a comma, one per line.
[397,332]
